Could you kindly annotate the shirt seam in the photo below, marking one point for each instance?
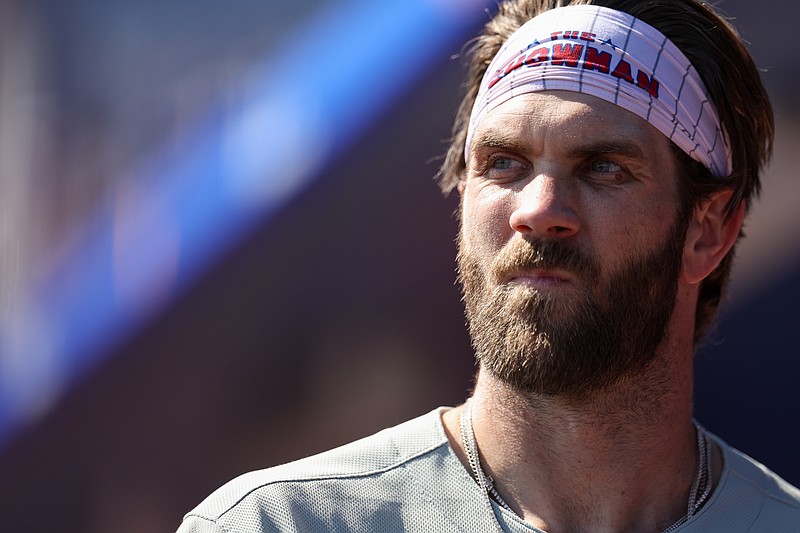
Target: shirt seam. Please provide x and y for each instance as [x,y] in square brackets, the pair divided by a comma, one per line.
[764,493]
[210,519]
[298,479]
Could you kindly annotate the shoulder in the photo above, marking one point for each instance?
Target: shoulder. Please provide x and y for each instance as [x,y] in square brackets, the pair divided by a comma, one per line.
[750,493]
[760,478]
[370,466]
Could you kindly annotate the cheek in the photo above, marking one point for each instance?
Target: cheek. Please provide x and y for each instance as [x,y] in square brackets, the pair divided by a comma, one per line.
[631,230]
[484,216]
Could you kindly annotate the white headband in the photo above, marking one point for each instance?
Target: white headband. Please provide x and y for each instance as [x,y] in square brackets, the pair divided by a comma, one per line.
[615,57]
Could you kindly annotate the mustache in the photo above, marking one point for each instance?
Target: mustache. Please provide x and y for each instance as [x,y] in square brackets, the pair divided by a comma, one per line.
[529,254]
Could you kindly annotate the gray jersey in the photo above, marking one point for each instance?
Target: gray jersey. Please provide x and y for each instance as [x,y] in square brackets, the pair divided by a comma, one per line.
[407,478]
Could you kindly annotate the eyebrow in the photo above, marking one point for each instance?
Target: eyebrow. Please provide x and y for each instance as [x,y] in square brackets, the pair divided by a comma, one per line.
[622,147]
[613,146]
[498,139]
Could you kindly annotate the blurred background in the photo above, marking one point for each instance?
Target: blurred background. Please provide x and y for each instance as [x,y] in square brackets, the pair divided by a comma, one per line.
[221,247]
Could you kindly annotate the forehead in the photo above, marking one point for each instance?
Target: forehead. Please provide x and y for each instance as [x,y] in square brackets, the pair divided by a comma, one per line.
[569,119]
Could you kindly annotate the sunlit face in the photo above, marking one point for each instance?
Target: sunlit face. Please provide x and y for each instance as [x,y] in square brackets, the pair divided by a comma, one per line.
[571,242]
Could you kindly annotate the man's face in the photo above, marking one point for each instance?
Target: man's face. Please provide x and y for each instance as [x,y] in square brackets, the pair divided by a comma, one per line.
[570,244]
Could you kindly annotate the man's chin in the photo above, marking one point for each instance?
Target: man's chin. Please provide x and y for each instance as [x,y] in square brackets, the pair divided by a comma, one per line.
[544,308]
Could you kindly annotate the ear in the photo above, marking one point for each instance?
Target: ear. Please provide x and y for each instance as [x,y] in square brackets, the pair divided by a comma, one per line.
[710,236]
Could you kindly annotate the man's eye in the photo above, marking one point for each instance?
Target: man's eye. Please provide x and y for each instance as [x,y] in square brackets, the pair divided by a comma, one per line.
[607,172]
[502,163]
[605,166]
[500,168]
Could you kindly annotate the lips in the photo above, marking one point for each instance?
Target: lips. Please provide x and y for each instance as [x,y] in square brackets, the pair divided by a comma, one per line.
[540,278]
[543,264]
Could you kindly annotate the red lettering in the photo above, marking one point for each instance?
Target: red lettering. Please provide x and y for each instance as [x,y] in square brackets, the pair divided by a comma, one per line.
[595,59]
[567,54]
[497,78]
[648,84]
[500,73]
[514,65]
[574,35]
[554,35]
[537,56]
[586,36]
[623,71]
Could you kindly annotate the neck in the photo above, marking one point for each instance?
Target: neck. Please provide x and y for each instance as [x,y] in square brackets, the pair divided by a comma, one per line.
[623,460]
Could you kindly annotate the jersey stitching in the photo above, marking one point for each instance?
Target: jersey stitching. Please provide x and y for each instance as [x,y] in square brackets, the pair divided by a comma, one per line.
[354,475]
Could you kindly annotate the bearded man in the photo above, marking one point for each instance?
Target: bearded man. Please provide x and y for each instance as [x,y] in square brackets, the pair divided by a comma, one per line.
[605,154]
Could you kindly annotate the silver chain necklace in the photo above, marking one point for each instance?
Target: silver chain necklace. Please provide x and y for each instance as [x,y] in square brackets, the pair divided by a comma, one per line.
[698,494]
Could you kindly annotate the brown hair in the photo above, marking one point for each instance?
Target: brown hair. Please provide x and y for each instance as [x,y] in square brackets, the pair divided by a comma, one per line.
[728,72]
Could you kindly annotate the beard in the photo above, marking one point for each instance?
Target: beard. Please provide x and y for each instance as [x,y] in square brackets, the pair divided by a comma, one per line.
[577,340]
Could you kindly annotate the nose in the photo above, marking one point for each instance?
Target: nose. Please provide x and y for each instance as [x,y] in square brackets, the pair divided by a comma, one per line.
[545,208]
